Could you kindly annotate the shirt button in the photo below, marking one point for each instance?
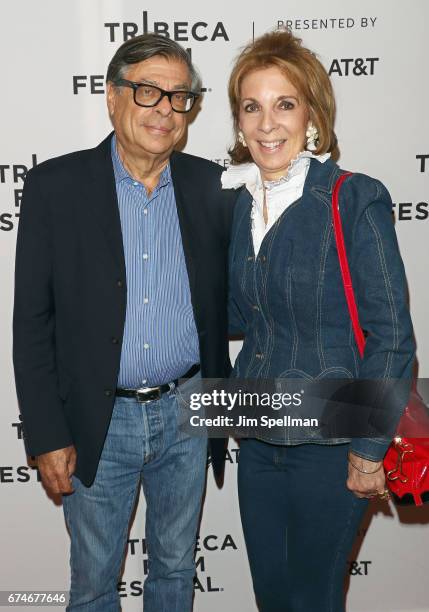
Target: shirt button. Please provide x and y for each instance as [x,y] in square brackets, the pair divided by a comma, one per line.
[135,183]
[119,283]
[146,346]
[145,300]
[145,211]
[145,255]
[145,381]
[108,392]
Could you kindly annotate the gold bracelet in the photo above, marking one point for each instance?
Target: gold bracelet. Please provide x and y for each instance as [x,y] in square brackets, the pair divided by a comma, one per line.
[364,471]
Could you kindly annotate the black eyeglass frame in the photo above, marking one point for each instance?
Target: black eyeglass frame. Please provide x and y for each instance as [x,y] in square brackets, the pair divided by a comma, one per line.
[163,92]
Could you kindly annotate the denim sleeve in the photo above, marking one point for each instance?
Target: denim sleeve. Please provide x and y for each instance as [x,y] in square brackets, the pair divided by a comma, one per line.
[381,294]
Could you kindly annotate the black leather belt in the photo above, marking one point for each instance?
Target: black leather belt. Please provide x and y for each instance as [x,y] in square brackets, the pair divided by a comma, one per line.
[151,394]
[145,394]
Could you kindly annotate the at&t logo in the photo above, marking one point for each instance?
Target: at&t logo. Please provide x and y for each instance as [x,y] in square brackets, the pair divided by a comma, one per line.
[349,66]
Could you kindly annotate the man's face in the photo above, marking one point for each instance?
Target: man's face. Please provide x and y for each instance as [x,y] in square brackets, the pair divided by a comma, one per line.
[149,132]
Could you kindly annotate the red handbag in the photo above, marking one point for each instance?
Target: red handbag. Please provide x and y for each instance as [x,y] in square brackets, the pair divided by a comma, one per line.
[406,462]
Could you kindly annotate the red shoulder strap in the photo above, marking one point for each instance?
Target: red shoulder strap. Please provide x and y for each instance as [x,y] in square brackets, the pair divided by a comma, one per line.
[344,265]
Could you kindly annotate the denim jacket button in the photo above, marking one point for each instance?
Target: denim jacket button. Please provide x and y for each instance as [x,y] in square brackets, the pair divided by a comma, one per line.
[259,355]
[250,258]
[255,307]
[263,258]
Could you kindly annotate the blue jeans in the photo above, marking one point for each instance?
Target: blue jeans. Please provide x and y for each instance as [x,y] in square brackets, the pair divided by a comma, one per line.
[299,522]
[143,443]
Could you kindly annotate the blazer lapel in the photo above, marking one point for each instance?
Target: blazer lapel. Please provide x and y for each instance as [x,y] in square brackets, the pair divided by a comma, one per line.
[185,202]
[104,202]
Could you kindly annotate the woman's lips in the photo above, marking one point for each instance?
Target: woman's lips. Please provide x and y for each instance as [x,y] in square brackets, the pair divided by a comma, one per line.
[271,147]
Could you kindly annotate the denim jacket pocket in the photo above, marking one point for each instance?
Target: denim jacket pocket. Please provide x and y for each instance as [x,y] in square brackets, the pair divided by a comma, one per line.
[302,302]
[296,373]
[335,372]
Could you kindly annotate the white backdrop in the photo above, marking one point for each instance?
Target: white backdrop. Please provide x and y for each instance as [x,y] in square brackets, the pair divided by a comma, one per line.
[55,53]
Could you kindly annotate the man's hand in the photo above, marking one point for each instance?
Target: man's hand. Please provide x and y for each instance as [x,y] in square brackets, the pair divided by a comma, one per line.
[365,485]
[56,469]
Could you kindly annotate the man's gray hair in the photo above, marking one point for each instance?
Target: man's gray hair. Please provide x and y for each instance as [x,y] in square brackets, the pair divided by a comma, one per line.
[145,46]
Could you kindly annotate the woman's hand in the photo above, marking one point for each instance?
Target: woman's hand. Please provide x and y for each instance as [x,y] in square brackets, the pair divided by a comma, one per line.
[366,478]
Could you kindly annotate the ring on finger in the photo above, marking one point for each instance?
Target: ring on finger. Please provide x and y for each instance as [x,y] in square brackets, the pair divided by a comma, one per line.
[385,495]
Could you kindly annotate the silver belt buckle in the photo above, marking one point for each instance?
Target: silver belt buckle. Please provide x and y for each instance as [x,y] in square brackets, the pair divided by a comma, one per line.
[148,394]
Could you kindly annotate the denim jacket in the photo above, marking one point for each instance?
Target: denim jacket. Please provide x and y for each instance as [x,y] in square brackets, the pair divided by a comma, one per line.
[289,301]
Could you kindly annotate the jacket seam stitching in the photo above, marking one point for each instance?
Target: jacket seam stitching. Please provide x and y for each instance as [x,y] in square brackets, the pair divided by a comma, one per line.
[292,316]
[388,291]
[269,320]
[322,266]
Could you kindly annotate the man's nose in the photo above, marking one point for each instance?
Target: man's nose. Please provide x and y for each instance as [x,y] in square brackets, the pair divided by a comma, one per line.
[164,106]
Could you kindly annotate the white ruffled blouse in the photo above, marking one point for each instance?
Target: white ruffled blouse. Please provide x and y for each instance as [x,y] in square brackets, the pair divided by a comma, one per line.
[279,194]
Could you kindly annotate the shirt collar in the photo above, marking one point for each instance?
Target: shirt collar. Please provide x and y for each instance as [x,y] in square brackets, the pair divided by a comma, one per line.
[249,175]
[121,174]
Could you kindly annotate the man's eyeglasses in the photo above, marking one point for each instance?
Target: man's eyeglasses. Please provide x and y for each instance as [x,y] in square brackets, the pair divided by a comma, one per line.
[150,95]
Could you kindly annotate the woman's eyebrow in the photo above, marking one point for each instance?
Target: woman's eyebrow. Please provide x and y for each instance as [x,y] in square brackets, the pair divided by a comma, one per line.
[282,97]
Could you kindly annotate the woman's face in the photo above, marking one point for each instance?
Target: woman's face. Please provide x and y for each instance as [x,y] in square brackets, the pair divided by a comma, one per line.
[273,118]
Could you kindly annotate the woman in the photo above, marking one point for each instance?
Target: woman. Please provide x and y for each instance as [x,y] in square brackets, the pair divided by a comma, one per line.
[301,504]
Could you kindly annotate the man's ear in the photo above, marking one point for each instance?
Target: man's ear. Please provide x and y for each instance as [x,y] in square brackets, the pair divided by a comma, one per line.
[111,98]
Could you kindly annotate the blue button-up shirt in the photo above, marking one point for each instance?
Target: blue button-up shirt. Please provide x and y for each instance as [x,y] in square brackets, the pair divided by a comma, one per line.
[160,340]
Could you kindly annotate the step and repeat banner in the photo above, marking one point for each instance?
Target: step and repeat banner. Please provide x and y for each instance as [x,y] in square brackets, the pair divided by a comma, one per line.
[55,54]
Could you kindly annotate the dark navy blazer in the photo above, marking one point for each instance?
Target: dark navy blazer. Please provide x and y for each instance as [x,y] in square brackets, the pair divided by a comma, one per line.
[70,293]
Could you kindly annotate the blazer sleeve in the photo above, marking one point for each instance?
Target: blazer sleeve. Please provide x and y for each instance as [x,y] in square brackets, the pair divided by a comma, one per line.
[380,286]
[45,426]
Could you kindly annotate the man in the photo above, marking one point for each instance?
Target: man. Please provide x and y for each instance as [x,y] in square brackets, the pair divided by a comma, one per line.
[120,291]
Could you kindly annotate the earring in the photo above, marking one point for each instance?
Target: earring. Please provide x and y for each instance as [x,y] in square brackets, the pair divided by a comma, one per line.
[241,139]
[312,136]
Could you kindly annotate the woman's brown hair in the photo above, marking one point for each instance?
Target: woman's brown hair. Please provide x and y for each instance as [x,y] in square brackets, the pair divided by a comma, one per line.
[302,68]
